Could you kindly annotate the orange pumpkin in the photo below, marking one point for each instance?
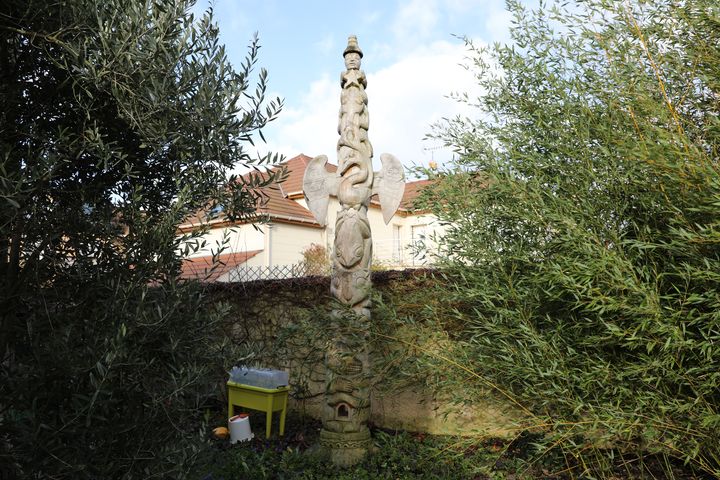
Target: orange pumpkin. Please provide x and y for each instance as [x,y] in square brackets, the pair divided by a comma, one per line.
[221,433]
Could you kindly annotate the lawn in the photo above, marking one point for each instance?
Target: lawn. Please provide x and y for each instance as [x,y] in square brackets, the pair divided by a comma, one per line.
[405,455]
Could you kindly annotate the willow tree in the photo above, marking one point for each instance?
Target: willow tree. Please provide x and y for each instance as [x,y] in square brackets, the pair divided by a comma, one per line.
[117,120]
[583,225]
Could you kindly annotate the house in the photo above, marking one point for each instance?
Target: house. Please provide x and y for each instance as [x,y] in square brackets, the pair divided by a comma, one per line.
[275,248]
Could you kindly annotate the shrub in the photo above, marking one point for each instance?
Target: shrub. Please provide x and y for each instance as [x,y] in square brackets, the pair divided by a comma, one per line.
[583,220]
[316,260]
[119,119]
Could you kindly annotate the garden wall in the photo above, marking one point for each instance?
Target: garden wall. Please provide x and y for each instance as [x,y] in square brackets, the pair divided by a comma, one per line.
[418,383]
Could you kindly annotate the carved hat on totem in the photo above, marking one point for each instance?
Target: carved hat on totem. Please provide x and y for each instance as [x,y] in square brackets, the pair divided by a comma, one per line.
[352,46]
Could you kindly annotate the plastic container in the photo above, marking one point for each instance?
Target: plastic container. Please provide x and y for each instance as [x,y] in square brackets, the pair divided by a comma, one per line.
[239,427]
[259,377]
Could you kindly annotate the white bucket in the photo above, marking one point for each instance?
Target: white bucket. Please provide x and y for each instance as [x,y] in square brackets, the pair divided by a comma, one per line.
[239,427]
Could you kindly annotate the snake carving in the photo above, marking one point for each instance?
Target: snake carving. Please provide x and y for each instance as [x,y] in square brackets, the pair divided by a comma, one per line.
[347,395]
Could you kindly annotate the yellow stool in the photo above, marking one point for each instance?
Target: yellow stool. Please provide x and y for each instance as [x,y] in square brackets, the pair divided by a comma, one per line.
[267,400]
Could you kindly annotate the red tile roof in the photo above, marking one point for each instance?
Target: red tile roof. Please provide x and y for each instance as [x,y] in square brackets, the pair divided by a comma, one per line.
[292,186]
[274,201]
[412,190]
[279,203]
[281,208]
[200,268]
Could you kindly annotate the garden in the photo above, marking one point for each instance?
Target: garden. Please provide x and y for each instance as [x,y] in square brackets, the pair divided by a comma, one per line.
[569,325]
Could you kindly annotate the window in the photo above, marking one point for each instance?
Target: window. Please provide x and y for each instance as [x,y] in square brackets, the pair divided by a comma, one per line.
[418,244]
[397,253]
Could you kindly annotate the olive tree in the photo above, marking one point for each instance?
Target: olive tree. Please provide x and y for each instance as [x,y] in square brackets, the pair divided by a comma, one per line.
[118,119]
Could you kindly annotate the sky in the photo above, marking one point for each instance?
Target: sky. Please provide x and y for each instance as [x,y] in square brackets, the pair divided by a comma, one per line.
[413,59]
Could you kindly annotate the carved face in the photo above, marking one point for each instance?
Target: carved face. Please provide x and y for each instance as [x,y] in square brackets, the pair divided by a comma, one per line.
[352,61]
[351,247]
[350,239]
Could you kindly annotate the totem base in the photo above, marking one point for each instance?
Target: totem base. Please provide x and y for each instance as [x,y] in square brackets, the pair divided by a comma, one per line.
[345,449]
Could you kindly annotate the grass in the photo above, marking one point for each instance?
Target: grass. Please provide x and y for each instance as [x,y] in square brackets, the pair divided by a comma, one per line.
[404,455]
[398,455]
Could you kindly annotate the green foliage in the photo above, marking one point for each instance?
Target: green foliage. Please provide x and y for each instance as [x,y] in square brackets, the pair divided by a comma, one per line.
[583,224]
[416,344]
[118,119]
[397,455]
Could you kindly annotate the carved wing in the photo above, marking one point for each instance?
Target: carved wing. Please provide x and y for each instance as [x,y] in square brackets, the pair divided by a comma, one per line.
[391,185]
[316,187]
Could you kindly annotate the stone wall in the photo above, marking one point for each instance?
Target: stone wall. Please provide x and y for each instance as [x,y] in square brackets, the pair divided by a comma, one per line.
[285,324]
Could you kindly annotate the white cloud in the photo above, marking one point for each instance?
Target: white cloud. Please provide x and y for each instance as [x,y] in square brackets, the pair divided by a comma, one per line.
[415,20]
[405,98]
[497,24]
[309,127]
[492,14]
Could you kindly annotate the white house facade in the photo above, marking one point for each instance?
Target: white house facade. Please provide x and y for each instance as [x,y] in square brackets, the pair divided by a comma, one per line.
[274,248]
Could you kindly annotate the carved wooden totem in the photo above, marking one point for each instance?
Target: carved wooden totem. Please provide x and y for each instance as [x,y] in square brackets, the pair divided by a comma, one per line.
[346,411]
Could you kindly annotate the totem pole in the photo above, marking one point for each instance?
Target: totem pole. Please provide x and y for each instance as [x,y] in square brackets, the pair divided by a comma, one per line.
[346,410]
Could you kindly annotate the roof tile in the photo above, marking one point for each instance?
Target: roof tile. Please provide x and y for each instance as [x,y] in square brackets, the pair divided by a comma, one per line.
[276,201]
[201,268]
